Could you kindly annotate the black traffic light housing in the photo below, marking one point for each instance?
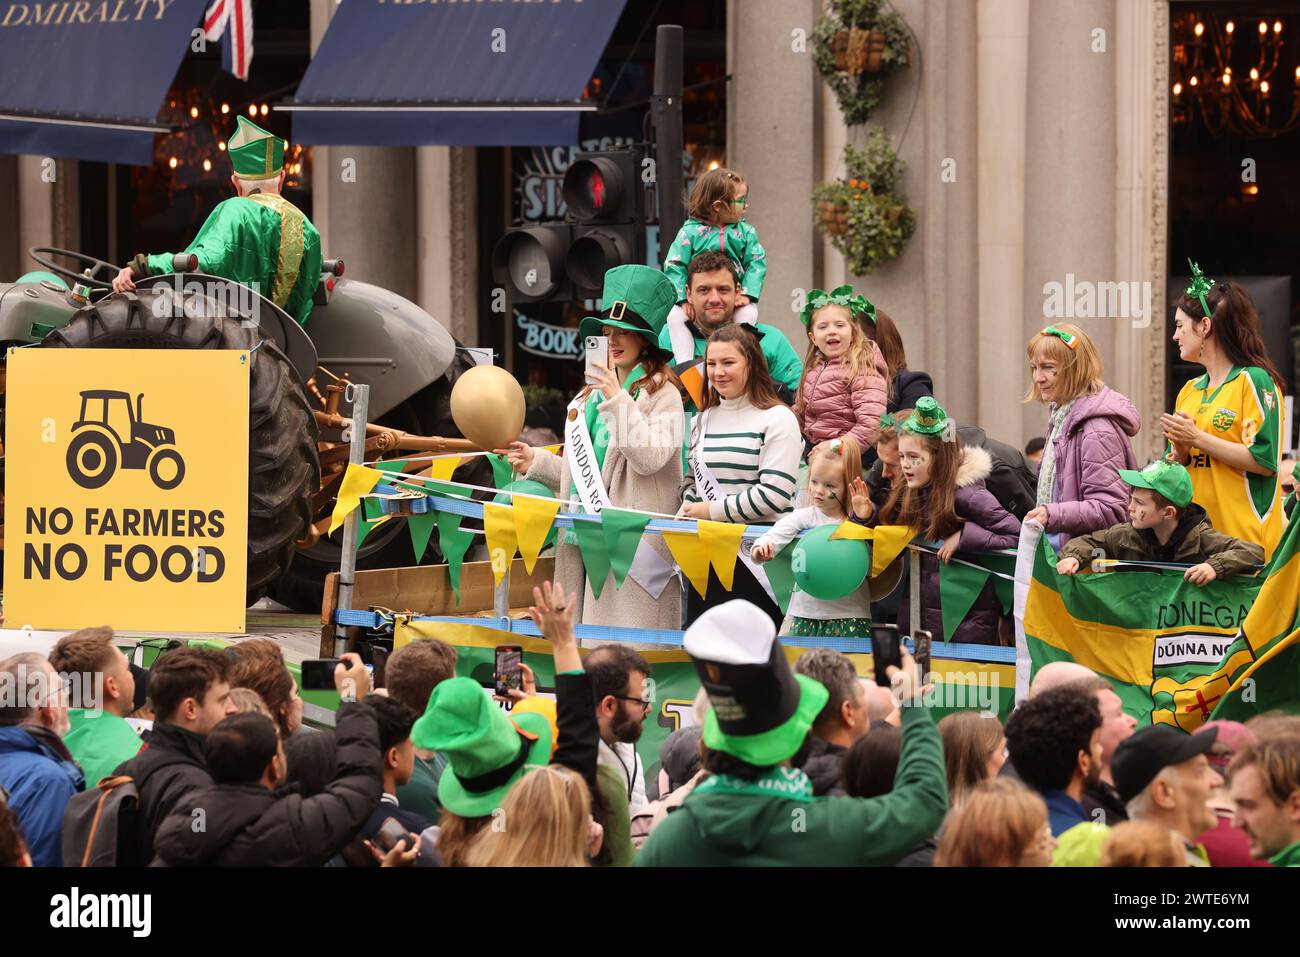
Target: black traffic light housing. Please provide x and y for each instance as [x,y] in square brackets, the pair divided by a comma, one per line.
[604,227]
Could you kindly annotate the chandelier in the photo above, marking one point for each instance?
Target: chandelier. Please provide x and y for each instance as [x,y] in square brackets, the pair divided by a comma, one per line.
[1233,76]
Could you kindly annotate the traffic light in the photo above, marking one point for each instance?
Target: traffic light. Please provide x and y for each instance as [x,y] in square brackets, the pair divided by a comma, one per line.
[604,227]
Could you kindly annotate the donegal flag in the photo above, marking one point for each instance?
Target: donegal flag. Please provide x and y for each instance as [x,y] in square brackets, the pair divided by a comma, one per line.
[1153,636]
[1261,669]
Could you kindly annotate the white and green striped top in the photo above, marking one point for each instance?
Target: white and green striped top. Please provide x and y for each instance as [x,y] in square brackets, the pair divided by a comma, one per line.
[754,456]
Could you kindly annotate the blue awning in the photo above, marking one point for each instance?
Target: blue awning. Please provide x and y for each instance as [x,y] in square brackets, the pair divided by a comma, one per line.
[495,73]
[84,80]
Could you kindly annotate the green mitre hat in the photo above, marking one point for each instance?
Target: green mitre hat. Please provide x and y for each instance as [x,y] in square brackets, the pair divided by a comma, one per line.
[255,153]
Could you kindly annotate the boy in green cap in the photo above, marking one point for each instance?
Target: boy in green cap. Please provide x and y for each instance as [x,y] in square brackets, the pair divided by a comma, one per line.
[256,238]
[1166,526]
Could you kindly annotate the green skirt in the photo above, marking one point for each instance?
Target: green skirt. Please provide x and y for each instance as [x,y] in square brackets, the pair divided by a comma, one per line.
[829,627]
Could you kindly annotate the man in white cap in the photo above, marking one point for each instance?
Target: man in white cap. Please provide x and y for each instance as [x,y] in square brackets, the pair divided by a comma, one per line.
[756,807]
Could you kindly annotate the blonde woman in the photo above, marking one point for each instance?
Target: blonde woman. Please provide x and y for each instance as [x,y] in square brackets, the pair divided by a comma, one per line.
[545,822]
[1002,824]
[974,750]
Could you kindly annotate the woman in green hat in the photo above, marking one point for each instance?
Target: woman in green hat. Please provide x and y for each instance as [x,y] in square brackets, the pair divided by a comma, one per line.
[622,449]
[488,750]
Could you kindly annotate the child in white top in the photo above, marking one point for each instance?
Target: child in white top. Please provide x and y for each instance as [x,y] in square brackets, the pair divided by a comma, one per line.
[838,494]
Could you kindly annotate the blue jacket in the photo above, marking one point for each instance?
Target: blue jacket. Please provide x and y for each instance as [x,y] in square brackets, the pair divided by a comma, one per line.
[40,780]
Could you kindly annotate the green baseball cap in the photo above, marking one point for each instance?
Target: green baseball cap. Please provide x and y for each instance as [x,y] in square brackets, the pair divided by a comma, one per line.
[928,418]
[487,751]
[1168,478]
[638,299]
[254,152]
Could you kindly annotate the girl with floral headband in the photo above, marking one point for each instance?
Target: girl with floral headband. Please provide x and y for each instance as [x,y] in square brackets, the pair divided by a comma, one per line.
[1089,426]
[943,496]
[1227,424]
[845,383]
[837,491]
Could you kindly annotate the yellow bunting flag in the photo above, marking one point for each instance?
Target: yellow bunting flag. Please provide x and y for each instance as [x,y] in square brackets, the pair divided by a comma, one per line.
[499,526]
[442,467]
[852,531]
[533,520]
[721,543]
[691,557]
[888,544]
[357,481]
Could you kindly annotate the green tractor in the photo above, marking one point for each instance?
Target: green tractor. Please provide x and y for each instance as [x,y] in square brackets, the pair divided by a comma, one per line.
[357,333]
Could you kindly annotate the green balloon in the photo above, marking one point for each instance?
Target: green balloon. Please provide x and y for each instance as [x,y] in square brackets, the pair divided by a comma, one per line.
[531,487]
[828,569]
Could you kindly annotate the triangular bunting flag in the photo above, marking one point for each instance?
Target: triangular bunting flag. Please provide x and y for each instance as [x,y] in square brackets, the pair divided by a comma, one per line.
[622,536]
[502,471]
[442,467]
[499,527]
[691,558]
[374,515]
[453,542]
[852,531]
[721,543]
[781,576]
[887,544]
[421,527]
[595,554]
[533,520]
[357,481]
[959,586]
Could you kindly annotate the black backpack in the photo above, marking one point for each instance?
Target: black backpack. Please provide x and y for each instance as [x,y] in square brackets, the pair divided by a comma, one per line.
[101,826]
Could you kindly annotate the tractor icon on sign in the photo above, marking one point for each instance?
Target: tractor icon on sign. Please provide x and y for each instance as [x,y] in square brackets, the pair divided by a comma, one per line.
[110,433]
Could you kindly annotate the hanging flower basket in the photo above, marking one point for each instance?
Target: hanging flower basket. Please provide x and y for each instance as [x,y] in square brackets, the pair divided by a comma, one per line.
[856,46]
[863,215]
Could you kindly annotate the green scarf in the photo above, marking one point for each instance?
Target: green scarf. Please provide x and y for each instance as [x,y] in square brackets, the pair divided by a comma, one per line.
[789,784]
[599,434]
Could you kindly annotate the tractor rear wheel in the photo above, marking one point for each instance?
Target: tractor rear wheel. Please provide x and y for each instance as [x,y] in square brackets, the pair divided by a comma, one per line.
[428,412]
[283,471]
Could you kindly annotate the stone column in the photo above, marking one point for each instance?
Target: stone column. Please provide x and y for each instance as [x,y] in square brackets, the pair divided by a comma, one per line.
[446,186]
[1141,217]
[1003,58]
[1070,172]
[364,203]
[772,139]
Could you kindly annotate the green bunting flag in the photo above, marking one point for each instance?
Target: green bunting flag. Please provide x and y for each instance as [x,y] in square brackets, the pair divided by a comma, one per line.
[453,542]
[959,587]
[373,516]
[421,527]
[595,553]
[780,575]
[622,531]
[502,471]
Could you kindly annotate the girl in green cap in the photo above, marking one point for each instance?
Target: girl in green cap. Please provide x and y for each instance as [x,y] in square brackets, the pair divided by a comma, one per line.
[943,497]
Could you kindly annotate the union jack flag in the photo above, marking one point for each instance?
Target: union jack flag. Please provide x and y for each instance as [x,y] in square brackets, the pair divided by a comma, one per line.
[237,17]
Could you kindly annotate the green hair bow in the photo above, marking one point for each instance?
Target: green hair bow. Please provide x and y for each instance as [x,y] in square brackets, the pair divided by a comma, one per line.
[839,296]
[1201,284]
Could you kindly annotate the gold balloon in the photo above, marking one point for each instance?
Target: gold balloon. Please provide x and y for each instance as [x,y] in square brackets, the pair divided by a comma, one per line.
[487,405]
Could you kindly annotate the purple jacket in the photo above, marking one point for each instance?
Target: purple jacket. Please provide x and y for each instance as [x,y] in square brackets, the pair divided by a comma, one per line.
[1091,447]
[988,526]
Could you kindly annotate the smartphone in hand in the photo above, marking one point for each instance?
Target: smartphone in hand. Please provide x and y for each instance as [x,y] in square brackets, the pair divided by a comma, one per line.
[597,354]
[886,650]
[921,640]
[318,674]
[509,673]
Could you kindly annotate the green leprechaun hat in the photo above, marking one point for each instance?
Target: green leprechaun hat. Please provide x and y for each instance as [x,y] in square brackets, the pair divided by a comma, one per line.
[928,418]
[255,153]
[486,750]
[761,710]
[638,299]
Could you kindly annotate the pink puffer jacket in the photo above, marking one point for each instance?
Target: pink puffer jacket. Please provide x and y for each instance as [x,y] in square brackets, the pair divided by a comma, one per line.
[830,406]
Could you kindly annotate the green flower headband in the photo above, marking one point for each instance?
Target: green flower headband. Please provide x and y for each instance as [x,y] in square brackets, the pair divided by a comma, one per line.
[839,296]
[887,421]
[1201,284]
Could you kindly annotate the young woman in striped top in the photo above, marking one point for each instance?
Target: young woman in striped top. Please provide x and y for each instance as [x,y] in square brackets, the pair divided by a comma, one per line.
[744,459]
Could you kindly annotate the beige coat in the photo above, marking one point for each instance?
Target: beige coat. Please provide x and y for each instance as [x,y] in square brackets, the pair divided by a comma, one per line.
[643,471]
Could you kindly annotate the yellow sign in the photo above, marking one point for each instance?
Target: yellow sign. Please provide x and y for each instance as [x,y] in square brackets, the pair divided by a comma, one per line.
[126,489]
